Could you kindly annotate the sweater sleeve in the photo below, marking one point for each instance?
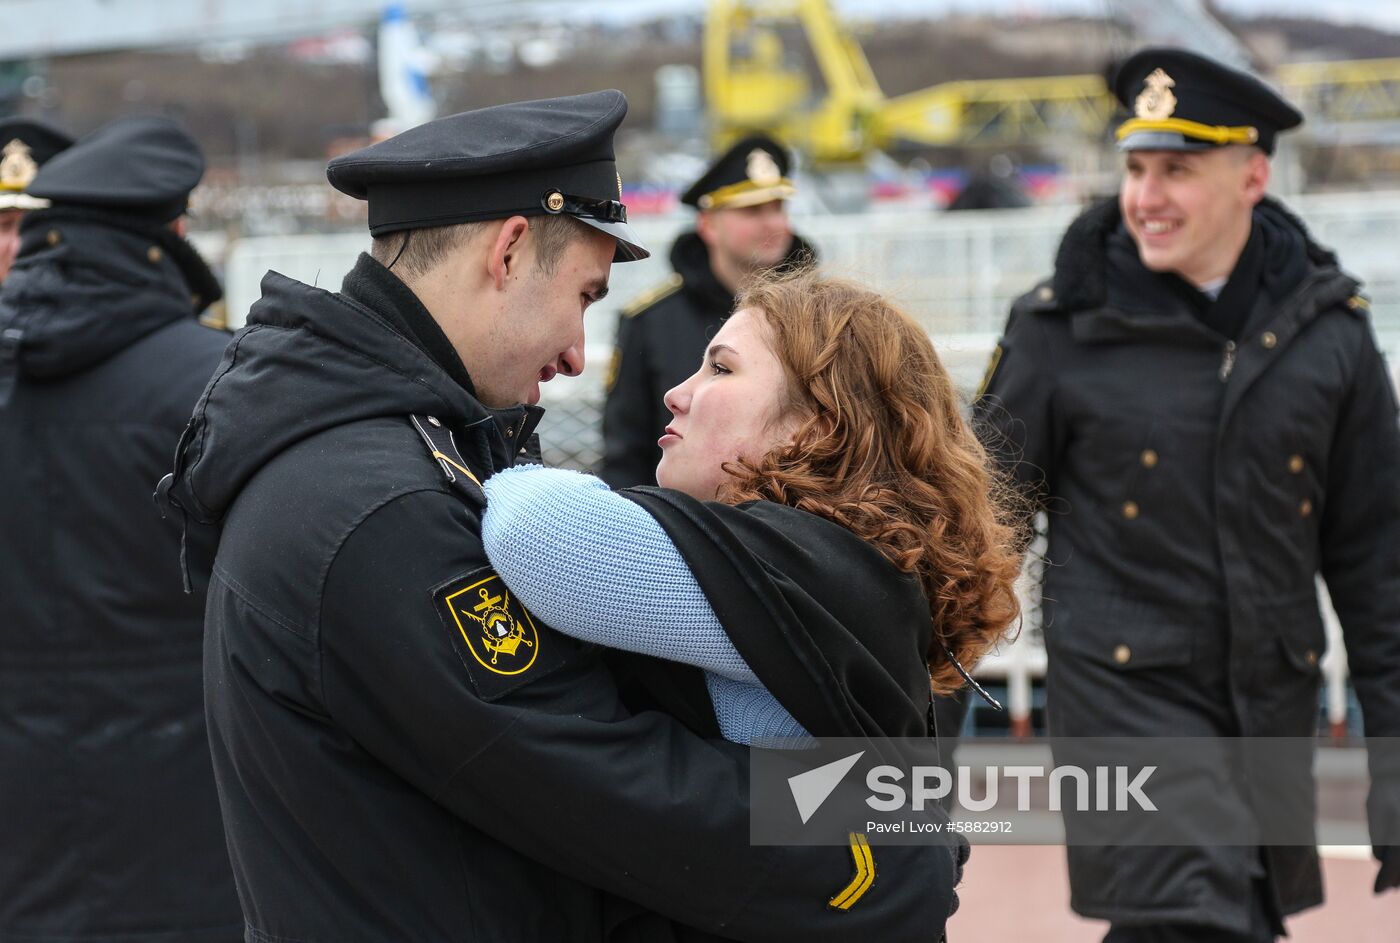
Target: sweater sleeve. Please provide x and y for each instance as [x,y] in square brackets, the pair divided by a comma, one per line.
[598,567]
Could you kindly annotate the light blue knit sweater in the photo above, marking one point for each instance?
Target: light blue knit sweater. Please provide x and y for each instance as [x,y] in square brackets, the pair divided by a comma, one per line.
[596,566]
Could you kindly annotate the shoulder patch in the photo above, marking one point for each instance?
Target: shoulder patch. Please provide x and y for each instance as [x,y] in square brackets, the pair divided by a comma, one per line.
[614,368]
[648,298]
[991,372]
[500,643]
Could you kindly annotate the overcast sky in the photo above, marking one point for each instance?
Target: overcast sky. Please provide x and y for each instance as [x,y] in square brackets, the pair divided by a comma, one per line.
[1380,13]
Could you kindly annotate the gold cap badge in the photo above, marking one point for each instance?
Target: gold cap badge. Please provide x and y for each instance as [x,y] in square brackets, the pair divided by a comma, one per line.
[762,169]
[1156,100]
[17,168]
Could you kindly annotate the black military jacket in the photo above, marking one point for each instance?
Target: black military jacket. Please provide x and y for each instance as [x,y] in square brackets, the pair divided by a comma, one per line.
[403,752]
[660,340]
[1196,486]
[109,824]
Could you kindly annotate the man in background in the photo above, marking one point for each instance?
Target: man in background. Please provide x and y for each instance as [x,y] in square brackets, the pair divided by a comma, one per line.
[110,826]
[1197,396]
[25,144]
[742,228]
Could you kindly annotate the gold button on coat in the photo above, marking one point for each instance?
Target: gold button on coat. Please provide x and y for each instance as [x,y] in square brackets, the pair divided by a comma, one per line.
[53,237]
[1046,293]
[1149,458]
[1122,654]
[153,254]
[1296,464]
[1305,508]
[1310,657]
[1268,340]
[1130,510]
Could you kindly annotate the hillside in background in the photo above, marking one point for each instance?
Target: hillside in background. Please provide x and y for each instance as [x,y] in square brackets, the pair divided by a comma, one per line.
[277,103]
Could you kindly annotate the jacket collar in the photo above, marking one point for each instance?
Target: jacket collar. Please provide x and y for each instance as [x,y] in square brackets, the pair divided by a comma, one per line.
[690,257]
[310,360]
[84,288]
[385,295]
[1082,263]
[1300,281]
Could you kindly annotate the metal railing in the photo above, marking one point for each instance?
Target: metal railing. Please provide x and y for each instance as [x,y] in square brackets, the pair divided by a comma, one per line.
[957,273]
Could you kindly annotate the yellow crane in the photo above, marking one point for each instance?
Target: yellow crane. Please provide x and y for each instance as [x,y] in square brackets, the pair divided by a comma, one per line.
[756,77]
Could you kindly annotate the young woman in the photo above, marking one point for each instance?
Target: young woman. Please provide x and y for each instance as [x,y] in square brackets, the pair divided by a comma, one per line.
[828,543]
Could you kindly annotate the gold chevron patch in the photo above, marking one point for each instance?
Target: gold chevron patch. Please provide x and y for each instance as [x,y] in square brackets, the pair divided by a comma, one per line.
[865,874]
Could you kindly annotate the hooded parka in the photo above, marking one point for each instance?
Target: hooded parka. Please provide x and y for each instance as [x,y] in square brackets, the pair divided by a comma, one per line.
[109,823]
[1201,467]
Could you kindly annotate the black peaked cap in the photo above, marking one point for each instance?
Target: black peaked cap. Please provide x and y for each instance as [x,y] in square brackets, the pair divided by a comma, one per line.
[753,170]
[1182,101]
[142,166]
[548,157]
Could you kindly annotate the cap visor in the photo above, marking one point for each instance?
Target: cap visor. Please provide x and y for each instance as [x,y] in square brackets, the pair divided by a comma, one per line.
[629,247]
[22,201]
[756,197]
[1163,141]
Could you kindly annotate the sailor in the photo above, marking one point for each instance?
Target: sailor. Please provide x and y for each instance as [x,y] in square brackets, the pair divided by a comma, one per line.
[25,144]
[741,228]
[1197,388]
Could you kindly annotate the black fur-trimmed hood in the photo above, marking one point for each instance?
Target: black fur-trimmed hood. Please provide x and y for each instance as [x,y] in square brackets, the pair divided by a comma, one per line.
[1081,264]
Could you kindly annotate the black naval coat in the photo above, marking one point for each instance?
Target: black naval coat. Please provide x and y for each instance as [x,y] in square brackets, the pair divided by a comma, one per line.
[1196,486]
[402,752]
[660,339]
[110,826]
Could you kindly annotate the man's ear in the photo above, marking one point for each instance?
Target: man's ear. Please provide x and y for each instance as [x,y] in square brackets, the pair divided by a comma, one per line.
[180,226]
[1256,181]
[504,258]
[705,228]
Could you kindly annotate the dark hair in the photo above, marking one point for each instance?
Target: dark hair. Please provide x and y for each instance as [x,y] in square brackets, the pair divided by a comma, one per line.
[415,252]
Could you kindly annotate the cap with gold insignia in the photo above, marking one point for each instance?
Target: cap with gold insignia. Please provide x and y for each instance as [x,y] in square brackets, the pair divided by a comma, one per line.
[753,171]
[1182,101]
[144,167]
[548,157]
[25,145]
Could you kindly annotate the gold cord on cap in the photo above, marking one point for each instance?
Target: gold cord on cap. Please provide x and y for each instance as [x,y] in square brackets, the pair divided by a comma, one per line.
[1214,133]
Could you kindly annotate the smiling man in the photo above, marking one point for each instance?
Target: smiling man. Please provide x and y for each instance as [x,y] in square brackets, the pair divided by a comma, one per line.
[1197,389]
[402,751]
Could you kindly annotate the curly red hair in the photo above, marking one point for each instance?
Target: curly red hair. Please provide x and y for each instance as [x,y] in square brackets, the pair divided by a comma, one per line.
[883,449]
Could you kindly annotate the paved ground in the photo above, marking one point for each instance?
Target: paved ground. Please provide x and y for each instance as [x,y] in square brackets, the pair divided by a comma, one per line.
[1020,893]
